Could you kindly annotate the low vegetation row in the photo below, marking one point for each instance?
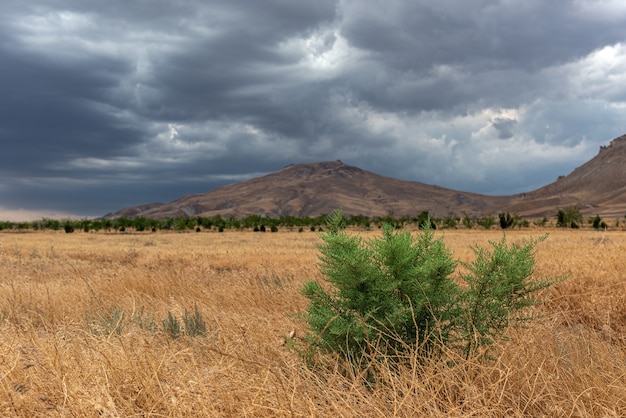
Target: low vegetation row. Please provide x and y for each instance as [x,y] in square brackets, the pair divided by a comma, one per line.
[565,218]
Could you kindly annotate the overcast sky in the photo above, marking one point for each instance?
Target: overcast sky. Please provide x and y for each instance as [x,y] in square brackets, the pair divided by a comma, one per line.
[108,104]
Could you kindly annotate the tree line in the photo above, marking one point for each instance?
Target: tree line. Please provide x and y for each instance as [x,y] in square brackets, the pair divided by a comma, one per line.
[565,218]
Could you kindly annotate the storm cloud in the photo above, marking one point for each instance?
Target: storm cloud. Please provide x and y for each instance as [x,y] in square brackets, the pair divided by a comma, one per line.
[118,103]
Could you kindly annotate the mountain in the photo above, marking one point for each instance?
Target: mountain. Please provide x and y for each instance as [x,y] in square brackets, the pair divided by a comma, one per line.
[597,187]
[317,188]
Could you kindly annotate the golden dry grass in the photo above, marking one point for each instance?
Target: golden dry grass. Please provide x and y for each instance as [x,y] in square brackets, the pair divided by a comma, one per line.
[76,341]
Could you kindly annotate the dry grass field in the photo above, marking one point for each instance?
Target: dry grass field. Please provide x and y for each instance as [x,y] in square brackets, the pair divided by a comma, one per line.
[81,332]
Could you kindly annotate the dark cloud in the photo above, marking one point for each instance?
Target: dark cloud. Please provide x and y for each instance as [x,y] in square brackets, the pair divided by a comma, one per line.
[504,126]
[109,104]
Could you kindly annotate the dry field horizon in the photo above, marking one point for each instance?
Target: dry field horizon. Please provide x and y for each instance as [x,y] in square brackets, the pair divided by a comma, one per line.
[81,331]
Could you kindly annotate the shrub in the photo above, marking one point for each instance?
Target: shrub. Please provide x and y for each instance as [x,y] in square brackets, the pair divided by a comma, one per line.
[569,217]
[194,323]
[396,293]
[450,221]
[424,220]
[171,326]
[507,220]
[109,323]
[486,222]
[598,223]
[467,222]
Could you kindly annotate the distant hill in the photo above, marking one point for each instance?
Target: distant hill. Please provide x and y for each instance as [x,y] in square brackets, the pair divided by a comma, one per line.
[597,187]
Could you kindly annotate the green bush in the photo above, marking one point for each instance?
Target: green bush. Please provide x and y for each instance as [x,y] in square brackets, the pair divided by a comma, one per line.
[468,222]
[109,323]
[451,221]
[507,220]
[598,223]
[569,217]
[171,326]
[486,222]
[396,293]
[194,323]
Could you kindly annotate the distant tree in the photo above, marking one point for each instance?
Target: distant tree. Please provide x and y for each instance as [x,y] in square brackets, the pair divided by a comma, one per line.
[506,220]
[467,221]
[68,227]
[52,224]
[569,217]
[122,223]
[450,221]
[425,221]
[140,223]
[598,223]
[486,222]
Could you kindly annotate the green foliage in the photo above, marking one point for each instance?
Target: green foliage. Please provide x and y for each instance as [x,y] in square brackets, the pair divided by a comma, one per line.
[569,217]
[171,326]
[598,223]
[450,221]
[111,322]
[507,220]
[486,222]
[467,221]
[424,220]
[217,223]
[397,292]
[500,287]
[391,287]
[145,323]
[194,323]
